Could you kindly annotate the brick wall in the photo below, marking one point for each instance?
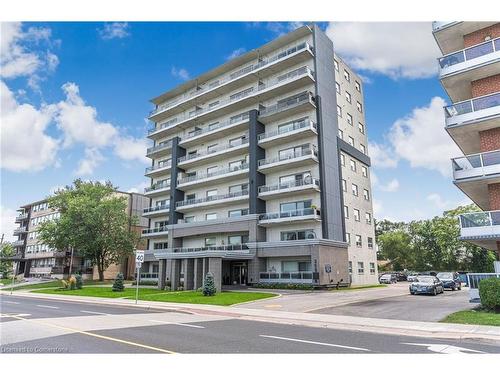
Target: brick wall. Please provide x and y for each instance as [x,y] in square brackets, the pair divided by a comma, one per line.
[478,36]
[490,140]
[494,191]
[485,86]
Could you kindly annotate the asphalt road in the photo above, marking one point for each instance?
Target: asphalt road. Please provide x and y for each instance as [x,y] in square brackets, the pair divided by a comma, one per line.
[31,325]
[425,308]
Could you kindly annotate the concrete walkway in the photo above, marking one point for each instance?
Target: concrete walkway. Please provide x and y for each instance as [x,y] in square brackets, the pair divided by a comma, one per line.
[350,323]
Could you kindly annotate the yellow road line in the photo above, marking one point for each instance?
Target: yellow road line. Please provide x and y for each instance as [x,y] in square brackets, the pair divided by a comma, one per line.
[97,335]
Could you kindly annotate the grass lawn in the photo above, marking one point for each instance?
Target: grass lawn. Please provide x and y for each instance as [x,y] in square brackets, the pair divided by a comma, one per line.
[359,287]
[480,317]
[5,281]
[147,294]
[56,284]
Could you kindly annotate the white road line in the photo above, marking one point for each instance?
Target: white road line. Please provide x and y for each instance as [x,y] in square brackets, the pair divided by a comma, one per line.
[177,324]
[12,302]
[446,349]
[94,312]
[315,343]
[48,307]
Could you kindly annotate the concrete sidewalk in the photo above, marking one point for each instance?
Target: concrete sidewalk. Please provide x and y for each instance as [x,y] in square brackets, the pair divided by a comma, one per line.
[350,323]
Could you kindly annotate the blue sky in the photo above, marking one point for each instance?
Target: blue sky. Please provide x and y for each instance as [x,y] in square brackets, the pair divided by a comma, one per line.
[75,97]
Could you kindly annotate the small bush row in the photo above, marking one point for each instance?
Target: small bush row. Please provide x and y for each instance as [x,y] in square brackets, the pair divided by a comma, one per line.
[283,286]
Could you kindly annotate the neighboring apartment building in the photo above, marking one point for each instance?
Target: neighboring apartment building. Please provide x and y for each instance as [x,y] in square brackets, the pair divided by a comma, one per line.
[38,260]
[470,74]
[260,172]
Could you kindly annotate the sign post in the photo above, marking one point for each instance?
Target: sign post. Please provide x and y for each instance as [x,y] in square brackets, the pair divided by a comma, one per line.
[139,258]
[14,272]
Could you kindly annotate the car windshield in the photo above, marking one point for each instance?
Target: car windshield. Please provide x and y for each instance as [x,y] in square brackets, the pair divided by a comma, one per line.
[425,279]
[386,277]
[444,275]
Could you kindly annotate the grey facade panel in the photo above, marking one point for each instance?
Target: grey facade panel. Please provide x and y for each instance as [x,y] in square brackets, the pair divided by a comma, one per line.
[176,195]
[256,153]
[354,152]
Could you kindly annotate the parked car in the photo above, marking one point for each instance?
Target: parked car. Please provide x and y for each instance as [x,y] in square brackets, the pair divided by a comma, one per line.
[411,277]
[426,285]
[401,276]
[450,280]
[388,278]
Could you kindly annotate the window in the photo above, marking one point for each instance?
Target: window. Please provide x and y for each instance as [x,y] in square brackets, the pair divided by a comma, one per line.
[357,86]
[354,189]
[350,267]
[161,203]
[372,268]
[234,165]
[211,193]
[359,106]
[211,170]
[237,213]
[370,242]
[212,148]
[362,148]
[213,104]
[348,238]
[361,268]
[339,111]
[366,194]
[160,245]
[297,235]
[235,189]
[368,217]
[344,185]
[337,87]
[295,179]
[236,141]
[190,196]
[359,243]
[351,141]
[237,240]
[356,214]
[212,216]
[295,206]
[348,97]
[336,65]
[342,159]
[364,171]
[209,241]
[349,119]
[353,165]
[292,152]
[347,76]
[188,219]
[361,128]
[213,125]
[341,134]
[346,212]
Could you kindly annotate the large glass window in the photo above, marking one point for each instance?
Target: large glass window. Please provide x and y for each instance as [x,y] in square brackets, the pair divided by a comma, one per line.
[294,206]
[238,213]
[292,152]
[211,216]
[298,235]
[361,268]
[210,241]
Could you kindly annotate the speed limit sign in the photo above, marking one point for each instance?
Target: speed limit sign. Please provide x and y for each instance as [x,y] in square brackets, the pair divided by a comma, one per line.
[139,257]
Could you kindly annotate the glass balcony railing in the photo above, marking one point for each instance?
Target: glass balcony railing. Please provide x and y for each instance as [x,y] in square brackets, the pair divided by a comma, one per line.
[20,230]
[213,198]
[157,167]
[210,248]
[220,125]
[273,276]
[163,146]
[21,216]
[470,53]
[308,181]
[480,219]
[289,214]
[290,156]
[284,105]
[214,150]
[473,105]
[154,187]
[18,243]
[162,229]
[486,163]
[229,77]
[156,208]
[220,172]
[287,128]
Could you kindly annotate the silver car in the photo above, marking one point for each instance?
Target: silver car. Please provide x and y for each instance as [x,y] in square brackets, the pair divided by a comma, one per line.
[427,285]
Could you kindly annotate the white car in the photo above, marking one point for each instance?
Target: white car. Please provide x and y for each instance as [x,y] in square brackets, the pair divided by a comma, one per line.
[411,278]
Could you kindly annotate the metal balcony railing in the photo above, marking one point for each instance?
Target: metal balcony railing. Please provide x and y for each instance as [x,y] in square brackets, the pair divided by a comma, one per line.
[282,106]
[294,155]
[480,219]
[469,53]
[308,181]
[484,164]
[159,147]
[229,77]
[20,230]
[473,105]
[156,208]
[154,187]
[159,166]
[289,214]
[220,125]
[18,243]
[213,198]
[214,150]
[289,276]
[289,127]
[219,172]
[210,248]
[22,216]
[155,230]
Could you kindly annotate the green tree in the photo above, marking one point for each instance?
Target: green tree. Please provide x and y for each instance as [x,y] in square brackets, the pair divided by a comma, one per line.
[6,252]
[118,283]
[93,221]
[209,285]
[396,247]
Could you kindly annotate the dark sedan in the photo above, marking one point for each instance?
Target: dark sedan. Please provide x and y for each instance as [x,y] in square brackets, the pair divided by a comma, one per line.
[450,280]
[426,285]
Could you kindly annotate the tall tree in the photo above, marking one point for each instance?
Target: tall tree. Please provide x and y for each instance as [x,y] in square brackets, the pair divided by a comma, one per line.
[93,222]
[6,252]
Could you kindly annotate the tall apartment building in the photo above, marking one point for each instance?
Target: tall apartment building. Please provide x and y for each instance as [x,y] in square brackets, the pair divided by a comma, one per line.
[39,260]
[260,172]
[470,74]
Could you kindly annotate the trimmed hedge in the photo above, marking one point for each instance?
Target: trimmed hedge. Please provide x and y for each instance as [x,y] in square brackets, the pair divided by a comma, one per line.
[489,292]
[146,282]
[283,286]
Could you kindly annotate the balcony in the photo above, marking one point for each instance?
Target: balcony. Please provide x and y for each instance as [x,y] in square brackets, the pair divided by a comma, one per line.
[481,228]
[288,132]
[473,173]
[449,35]
[217,153]
[149,276]
[286,277]
[155,232]
[18,243]
[459,69]
[157,189]
[41,270]
[293,106]
[156,210]
[481,112]
[21,217]
[292,160]
[239,251]
[44,254]
[192,204]
[307,184]
[20,230]
[273,87]
[289,217]
[158,170]
[159,150]
[231,81]
[206,178]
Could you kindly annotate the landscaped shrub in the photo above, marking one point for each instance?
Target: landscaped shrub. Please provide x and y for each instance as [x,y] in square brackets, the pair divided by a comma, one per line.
[79,281]
[72,282]
[118,284]
[283,286]
[489,291]
[209,286]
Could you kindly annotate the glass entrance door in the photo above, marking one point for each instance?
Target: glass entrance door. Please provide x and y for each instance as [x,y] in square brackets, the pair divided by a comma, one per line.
[239,273]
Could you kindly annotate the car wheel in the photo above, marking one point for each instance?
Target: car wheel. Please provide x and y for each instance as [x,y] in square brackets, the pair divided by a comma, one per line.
[412,293]
[453,288]
[459,287]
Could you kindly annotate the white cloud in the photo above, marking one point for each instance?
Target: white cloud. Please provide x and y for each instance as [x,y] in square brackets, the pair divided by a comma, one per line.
[377,208]
[129,148]
[7,223]
[25,144]
[391,186]
[395,49]
[87,165]
[115,30]
[237,52]
[139,188]
[382,156]
[180,73]
[278,28]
